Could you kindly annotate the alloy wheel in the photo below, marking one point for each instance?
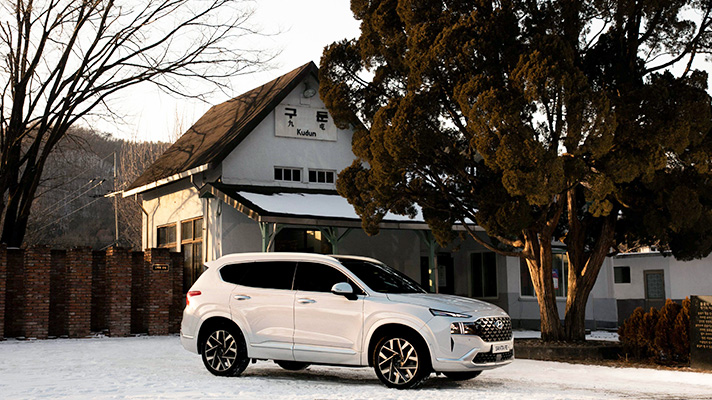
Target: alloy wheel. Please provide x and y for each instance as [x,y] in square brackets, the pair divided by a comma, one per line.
[220,350]
[398,361]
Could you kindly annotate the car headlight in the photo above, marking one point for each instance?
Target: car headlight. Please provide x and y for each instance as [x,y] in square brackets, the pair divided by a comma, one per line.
[441,313]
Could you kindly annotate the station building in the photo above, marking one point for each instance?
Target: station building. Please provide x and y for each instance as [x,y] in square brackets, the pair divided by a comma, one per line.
[258,172]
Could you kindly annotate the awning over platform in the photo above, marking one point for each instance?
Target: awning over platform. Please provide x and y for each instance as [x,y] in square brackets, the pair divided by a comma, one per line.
[300,207]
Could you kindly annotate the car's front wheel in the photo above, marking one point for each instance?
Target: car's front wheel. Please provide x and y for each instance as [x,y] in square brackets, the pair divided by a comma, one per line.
[224,351]
[462,376]
[401,361]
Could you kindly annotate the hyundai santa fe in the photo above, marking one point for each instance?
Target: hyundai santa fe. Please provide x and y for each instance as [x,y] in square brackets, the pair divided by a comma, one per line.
[301,309]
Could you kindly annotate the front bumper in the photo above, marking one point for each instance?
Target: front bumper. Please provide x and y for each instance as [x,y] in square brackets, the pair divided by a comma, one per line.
[465,352]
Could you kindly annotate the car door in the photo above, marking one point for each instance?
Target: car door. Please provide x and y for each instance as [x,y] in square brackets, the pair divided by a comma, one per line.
[262,303]
[328,328]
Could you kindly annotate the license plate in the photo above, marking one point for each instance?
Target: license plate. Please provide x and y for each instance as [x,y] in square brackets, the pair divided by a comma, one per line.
[500,348]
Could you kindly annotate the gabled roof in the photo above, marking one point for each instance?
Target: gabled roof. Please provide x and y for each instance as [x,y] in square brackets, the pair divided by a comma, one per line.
[220,130]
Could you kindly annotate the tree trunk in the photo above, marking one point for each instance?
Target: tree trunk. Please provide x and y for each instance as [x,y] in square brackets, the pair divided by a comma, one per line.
[540,270]
[584,268]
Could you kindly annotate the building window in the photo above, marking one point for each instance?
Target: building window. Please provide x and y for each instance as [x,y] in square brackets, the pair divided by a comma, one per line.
[287,174]
[484,274]
[166,236]
[321,176]
[191,233]
[559,273]
[621,274]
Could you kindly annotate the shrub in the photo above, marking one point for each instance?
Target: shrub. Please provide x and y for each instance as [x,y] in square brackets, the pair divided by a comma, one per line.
[664,350]
[681,332]
[628,333]
[661,336]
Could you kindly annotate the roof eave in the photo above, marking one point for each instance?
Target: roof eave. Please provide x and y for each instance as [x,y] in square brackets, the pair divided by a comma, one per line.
[166,180]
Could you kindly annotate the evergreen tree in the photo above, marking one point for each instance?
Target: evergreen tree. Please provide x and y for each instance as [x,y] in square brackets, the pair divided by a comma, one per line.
[536,120]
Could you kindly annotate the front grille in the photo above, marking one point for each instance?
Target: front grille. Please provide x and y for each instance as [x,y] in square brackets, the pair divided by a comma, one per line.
[484,358]
[486,328]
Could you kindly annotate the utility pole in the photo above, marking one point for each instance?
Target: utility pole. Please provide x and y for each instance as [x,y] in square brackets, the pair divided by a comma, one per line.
[116,206]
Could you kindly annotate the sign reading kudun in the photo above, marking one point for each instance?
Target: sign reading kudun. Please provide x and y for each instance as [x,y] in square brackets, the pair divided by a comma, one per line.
[304,123]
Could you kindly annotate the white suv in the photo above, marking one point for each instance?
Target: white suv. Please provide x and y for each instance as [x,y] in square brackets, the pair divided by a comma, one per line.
[300,309]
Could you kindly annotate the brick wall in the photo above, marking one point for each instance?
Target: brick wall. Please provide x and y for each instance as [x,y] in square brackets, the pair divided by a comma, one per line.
[178,304]
[3,278]
[159,290]
[37,292]
[57,294]
[138,294]
[79,292]
[118,291]
[14,293]
[98,292]
[46,292]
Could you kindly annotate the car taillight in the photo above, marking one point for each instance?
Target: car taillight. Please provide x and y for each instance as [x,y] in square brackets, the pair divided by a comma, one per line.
[191,294]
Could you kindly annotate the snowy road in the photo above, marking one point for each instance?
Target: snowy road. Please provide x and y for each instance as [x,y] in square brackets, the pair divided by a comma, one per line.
[159,368]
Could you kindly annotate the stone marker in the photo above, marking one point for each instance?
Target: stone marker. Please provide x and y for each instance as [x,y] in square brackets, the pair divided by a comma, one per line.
[701,332]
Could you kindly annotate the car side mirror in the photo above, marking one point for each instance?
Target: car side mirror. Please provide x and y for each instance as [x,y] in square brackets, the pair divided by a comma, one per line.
[342,288]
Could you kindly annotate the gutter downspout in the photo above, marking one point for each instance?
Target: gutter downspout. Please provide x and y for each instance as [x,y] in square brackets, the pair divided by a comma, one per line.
[135,199]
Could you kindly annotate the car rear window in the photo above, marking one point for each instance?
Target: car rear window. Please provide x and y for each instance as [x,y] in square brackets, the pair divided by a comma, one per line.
[261,274]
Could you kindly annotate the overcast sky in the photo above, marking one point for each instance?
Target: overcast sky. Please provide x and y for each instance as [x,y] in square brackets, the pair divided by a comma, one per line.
[306,25]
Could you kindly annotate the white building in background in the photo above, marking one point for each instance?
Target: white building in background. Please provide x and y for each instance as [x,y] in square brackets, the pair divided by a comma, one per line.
[257,173]
[647,279]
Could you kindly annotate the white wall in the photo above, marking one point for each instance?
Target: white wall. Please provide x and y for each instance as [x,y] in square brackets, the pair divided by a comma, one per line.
[682,278]
[253,161]
[171,203]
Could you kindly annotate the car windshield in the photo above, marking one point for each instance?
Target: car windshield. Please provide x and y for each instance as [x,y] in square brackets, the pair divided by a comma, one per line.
[380,277]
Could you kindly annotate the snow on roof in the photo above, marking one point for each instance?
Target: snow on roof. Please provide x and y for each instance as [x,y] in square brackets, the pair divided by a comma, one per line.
[318,205]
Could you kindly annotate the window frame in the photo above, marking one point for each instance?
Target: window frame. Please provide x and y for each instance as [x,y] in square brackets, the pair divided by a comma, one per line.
[630,278]
[291,169]
[326,172]
[472,277]
[168,245]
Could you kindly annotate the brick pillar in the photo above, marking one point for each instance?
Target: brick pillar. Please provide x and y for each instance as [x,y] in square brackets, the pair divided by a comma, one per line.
[178,303]
[15,293]
[3,278]
[118,291]
[36,280]
[78,296]
[58,294]
[159,290]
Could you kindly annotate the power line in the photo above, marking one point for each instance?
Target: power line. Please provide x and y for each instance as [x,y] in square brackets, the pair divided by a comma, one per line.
[67,215]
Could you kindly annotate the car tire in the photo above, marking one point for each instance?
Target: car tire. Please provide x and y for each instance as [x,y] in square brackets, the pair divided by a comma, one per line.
[224,351]
[401,361]
[292,365]
[462,376]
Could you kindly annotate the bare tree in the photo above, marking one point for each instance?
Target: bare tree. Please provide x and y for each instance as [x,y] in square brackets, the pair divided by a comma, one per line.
[63,60]
[134,158]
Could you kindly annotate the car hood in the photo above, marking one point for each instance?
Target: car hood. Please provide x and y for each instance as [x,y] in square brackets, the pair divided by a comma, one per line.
[446,302]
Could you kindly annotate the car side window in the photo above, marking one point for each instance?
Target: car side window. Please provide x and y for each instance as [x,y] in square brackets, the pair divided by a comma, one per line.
[314,277]
[261,274]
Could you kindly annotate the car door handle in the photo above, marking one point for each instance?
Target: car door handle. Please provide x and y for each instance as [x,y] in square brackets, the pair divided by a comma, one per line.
[306,301]
[241,297]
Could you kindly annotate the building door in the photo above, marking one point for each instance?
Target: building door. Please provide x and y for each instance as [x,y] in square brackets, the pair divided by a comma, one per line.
[654,289]
[446,279]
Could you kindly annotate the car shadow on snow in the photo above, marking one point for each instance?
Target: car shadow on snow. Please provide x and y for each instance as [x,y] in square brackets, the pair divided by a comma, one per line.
[360,377]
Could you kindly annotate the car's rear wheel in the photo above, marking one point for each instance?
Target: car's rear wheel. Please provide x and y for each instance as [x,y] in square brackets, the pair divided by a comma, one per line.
[401,361]
[462,376]
[292,365]
[224,351]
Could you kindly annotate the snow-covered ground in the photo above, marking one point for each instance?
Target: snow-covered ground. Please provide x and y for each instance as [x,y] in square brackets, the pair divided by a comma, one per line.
[157,367]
